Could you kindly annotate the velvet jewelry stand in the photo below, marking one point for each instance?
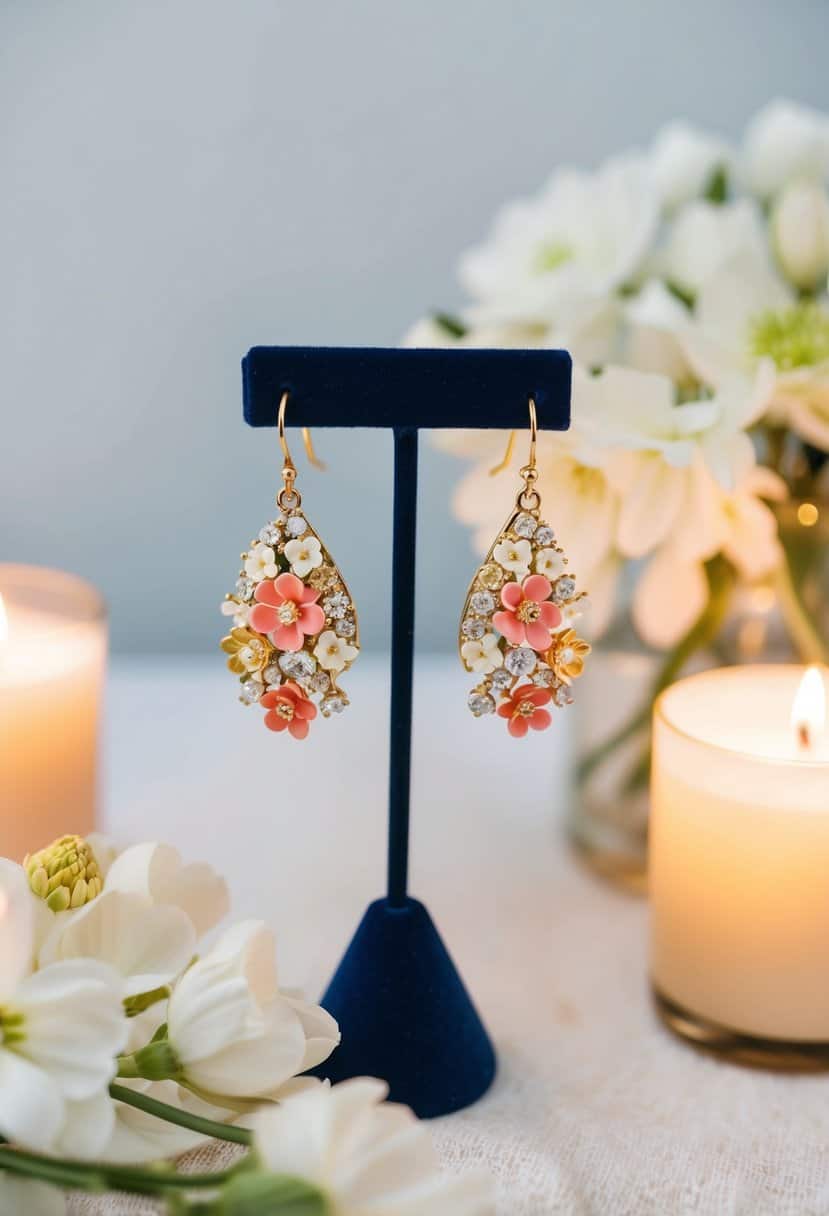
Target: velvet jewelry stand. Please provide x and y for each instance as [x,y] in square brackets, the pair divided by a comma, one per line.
[404,1012]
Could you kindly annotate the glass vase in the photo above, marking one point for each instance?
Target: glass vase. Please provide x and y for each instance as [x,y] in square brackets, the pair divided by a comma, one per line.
[784,618]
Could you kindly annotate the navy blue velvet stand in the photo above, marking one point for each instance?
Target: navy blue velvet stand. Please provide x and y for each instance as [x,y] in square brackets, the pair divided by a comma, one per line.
[404,1012]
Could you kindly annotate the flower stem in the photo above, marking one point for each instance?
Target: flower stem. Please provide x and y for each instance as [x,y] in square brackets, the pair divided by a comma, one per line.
[100,1176]
[183,1118]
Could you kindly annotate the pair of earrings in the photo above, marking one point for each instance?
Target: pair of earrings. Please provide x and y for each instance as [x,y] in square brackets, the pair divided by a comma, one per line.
[295,629]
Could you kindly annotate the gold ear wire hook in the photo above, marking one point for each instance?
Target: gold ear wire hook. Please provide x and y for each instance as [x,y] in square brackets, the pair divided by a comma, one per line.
[307,441]
[505,463]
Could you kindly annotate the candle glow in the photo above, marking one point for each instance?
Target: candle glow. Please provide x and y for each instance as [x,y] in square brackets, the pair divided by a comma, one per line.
[808,716]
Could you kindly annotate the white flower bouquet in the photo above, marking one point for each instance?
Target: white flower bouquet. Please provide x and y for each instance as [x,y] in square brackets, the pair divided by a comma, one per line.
[689,283]
[124,1043]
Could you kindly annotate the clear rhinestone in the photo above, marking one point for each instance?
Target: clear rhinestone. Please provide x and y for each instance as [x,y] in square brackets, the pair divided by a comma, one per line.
[524,526]
[520,661]
[270,534]
[564,589]
[298,664]
[250,692]
[336,606]
[319,682]
[333,705]
[545,677]
[500,678]
[480,703]
[491,576]
[544,536]
[345,628]
[272,674]
[562,696]
[472,628]
[483,602]
[245,587]
[295,526]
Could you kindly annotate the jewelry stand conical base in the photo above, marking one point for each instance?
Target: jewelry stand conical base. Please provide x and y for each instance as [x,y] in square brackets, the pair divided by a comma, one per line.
[406,1016]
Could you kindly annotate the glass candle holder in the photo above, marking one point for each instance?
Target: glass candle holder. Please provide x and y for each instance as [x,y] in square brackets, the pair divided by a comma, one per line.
[53,644]
[739,855]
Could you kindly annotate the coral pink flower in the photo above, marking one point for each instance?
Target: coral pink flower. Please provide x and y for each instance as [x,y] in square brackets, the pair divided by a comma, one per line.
[288,708]
[523,709]
[527,617]
[287,610]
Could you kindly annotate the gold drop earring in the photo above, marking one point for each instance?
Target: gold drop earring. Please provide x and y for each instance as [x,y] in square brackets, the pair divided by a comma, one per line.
[516,631]
[295,626]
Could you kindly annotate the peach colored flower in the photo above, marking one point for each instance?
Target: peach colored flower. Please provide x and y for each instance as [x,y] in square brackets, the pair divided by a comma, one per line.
[288,707]
[523,710]
[528,615]
[286,611]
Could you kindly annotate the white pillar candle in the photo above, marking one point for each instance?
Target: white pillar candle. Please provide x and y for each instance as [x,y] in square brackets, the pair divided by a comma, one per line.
[53,642]
[739,851]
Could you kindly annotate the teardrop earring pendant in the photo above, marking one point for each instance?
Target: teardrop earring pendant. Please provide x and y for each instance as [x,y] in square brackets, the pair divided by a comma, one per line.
[295,628]
[516,631]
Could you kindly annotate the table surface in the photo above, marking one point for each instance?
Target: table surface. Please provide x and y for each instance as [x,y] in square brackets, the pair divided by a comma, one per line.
[596,1108]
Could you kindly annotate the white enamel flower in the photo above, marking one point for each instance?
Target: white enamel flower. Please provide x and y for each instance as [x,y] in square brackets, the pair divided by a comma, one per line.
[482,654]
[365,1155]
[261,563]
[550,563]
[62,1028]
[231,1030]
[157,872]
[579,240]
[514,555]
[785,141]
[800,233]
[684,160]
[239,612]
[705,236]
[571,612]
[333,653]
[304,555]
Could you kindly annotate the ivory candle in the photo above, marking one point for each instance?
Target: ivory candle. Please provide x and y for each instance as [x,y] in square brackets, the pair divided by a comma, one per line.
[739,853]
[52,656]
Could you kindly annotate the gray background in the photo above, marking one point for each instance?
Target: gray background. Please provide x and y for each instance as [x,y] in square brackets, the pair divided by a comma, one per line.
[183,179]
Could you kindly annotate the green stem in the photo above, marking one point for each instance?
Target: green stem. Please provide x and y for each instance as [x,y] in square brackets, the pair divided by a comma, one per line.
[182,1118]
[721,581]
[100,1176]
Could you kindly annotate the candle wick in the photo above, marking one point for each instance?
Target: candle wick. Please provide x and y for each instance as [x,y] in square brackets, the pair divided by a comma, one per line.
[804,736]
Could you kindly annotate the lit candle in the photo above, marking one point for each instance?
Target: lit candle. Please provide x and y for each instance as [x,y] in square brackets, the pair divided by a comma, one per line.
[739,860]
[52,657]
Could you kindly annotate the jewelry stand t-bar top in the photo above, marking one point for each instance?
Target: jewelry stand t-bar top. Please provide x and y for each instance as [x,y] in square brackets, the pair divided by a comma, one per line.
[404,1012]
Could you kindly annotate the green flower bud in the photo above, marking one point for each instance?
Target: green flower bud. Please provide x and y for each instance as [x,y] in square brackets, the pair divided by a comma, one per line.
[251,1194]
[65,874]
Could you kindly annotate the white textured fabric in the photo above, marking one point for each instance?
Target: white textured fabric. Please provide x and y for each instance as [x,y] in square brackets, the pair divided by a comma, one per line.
[596,1110]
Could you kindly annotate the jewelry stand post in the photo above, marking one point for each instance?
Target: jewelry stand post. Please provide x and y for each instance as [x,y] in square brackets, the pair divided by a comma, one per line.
[403,1009]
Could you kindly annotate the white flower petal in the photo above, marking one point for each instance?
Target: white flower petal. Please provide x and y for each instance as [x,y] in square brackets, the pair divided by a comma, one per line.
[785,140]
[17,917]
[148,945]
[31,1106]
[137,1137]
[669,597]
[650,506]
[270,1051]
[20,1197]
[156,872]
[322,1034]
[87,1128]
[74,1024]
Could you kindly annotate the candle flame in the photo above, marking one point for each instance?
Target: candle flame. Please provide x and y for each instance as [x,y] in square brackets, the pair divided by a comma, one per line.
[809,708]
[4,623]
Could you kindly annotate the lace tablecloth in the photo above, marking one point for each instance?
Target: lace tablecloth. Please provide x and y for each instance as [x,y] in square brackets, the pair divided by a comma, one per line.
[596,1110]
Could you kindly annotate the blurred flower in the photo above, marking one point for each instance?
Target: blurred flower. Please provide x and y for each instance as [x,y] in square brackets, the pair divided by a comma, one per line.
[684,159]
[784,141]
[19,1197]
[364,1154]
[62,1028]
[800,233]
[157,873]
[706,236]
[574,244]
[231,1032]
